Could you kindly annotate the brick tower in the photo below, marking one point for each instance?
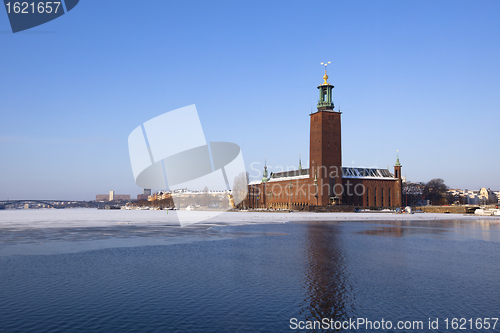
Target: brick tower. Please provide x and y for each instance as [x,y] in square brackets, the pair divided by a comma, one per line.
[325,151]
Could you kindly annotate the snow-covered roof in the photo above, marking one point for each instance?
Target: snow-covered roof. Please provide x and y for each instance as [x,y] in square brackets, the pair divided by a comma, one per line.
[290,173]
[347,172]
[281,179]
[366,173]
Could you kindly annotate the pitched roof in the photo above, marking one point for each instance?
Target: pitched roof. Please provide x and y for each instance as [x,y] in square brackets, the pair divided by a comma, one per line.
[347,172]
[366,173]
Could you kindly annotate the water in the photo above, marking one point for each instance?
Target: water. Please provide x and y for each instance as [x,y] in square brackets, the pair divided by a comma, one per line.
[254,278]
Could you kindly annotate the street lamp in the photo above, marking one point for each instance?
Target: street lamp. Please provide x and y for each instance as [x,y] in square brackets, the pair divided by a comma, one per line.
[316,185]
[290,196]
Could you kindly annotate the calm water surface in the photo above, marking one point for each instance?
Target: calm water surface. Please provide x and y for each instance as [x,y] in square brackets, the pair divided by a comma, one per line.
[255,278]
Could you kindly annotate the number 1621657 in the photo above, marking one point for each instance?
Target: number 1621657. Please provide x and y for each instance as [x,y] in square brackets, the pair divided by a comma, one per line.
[32,8]
[470,323]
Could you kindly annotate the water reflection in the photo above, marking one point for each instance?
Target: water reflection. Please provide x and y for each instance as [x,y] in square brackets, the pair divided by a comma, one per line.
[329,292]
[486,230]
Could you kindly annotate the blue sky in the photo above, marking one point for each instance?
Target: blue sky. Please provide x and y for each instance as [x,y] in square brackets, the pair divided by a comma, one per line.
[419,76]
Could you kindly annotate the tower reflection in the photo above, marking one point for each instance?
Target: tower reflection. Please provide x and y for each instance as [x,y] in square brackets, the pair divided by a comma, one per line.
[328,291]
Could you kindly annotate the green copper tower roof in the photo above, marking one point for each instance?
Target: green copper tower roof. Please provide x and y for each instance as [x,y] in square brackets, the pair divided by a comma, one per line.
[325,93]
[397,160]
[264,175]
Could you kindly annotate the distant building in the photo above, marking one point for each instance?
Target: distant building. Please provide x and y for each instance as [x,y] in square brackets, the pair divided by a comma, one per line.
[112,197]
[456,196]
[413,194]
[184,198]
[102,197]
[487,197]
[122,197]
[472,199]
[482,197]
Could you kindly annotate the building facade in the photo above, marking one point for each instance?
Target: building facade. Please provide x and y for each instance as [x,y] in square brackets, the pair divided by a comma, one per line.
[112,197]
[327,182]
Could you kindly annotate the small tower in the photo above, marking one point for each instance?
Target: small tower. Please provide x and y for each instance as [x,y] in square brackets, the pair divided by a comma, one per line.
[300,162]
[397,168]
[264,175]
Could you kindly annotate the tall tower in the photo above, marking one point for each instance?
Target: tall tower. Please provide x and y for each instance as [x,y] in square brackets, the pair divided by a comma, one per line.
[325,150]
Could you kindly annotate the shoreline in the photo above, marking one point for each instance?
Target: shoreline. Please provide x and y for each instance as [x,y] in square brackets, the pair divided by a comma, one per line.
[85,217]
[48,232]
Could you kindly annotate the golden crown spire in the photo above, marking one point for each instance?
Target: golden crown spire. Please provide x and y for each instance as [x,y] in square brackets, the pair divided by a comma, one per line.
[325,77]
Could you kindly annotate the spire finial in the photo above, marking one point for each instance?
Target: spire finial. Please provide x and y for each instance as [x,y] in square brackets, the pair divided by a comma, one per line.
[300,162]
[325,77]
[264,175]
[397,160]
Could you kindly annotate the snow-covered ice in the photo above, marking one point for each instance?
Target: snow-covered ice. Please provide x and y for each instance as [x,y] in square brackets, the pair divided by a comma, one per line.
[50,231]
[75,218]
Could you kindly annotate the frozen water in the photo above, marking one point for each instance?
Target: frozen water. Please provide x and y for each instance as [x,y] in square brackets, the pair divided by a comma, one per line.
[50,231]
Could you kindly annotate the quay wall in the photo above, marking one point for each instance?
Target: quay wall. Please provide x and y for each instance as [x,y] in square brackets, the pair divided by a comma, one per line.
[449,209]
[327,209]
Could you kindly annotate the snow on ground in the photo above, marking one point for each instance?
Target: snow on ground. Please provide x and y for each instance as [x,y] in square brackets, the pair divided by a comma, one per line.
[77,218]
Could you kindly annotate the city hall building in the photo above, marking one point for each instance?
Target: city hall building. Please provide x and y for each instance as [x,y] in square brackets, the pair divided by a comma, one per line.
[326,182]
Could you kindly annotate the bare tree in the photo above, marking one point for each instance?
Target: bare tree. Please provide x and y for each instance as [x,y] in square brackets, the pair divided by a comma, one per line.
[240,190]
[451,198]
[205,199]
[435,190]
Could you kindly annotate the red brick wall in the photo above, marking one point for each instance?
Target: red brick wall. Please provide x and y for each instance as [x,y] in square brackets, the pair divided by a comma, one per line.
[356,192]
[325,154]
[278,195]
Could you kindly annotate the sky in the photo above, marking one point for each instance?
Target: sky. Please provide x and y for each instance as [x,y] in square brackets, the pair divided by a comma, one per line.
[421,77]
